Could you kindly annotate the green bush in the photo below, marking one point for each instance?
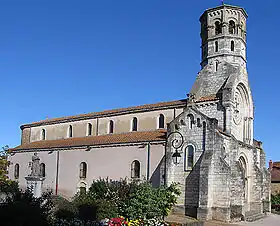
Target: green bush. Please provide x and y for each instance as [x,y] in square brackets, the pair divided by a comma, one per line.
[146,202]
[134,200]
[275,199]
[64,209]
[22,208]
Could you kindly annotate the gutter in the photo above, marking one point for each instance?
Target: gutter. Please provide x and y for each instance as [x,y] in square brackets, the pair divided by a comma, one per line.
[85,146]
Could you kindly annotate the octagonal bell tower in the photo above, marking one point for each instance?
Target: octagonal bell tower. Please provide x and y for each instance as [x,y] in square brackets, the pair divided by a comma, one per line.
[223,34]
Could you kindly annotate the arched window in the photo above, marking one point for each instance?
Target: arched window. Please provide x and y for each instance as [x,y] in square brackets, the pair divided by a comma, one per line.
[70,131]
[89,129]
[216,46]
[243,165]
[135,169]
[218,28]
[189,157]
[83,170]
[231,27]
[134,124]
[232,45]
[16,171]
[43,134]
[161,121]
[216,66]
[190,121]
[42,170]
[111,126]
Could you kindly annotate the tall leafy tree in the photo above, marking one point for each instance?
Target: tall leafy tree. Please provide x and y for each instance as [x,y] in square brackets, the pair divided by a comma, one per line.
[4,163]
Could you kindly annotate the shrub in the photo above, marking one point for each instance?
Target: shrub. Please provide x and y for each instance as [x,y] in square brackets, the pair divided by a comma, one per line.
[146,202]
[275,199]
[22,208]
[109,199]
[64,209]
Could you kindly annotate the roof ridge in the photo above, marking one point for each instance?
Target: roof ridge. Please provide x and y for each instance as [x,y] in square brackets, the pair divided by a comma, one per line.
[144,107]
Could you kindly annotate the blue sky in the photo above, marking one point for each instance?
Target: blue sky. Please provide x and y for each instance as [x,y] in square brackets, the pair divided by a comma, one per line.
[60,58]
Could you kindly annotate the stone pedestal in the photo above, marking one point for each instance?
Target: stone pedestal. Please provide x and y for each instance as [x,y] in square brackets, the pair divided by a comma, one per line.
[35,184]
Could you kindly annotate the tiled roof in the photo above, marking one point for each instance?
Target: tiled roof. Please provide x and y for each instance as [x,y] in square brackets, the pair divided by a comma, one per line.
[141,108]
[207,98]
[275,172]
[110,139]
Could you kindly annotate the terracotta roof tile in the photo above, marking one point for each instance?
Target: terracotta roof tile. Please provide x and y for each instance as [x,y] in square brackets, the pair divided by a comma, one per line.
[276,164]
[275,173]
[131,137]
[207,98]
[140,108]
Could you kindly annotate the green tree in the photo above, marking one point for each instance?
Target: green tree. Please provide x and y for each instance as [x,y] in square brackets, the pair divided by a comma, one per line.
[4,163]
[22,208]
[146,202]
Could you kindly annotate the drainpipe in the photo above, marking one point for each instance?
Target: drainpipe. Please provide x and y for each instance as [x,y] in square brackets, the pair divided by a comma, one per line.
[97,125]
[57,169]
[148,161]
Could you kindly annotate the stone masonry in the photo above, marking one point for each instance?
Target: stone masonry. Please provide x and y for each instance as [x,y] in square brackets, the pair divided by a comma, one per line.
[223,174]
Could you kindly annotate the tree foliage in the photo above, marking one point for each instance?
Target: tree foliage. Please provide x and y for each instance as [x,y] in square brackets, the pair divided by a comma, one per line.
[4,163]
[146,202]
[22,208]
[132,200]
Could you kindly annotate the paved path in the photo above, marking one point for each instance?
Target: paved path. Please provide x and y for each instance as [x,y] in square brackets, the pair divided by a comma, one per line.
[271,220]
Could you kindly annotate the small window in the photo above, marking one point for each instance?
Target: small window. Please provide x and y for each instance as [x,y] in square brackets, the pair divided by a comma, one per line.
[135,169]
[189,157]
[216,66]
[216,46]
[134,124]
[231,28]
[161,121]
[16,171]
[42,170]
[232,46]
[218,28]
[190,121]
[43,134]
[111,126]
[83,170]
[89,129]
[70,131]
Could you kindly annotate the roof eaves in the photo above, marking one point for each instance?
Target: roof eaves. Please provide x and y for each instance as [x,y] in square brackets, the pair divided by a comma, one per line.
[15,150]
[100,114]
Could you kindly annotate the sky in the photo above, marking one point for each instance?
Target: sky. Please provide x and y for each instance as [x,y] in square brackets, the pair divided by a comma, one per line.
[66,57]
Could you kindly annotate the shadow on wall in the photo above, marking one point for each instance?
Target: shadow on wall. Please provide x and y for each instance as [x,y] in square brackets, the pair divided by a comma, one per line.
[192,190]
[156,179]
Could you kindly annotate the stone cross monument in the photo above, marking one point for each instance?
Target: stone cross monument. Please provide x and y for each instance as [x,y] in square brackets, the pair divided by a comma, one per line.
[35,180]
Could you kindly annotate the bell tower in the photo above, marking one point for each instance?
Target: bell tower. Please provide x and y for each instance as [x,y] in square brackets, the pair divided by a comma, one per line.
[223,35]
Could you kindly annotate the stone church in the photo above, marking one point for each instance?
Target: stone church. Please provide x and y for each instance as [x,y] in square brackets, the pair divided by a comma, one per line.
[204,142]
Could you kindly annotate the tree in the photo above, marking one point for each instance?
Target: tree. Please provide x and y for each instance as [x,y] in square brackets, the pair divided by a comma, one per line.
[6,185]
[4,163]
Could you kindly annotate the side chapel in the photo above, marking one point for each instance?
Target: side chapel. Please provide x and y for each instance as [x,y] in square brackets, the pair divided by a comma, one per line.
[204,142]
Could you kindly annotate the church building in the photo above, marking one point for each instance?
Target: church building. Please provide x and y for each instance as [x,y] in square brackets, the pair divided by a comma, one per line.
[204,142]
